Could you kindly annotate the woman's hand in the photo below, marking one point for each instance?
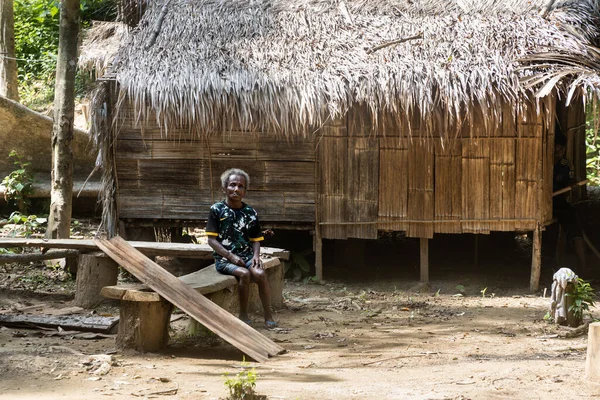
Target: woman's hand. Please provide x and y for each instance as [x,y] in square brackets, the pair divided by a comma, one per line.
[237,260]
[256,263]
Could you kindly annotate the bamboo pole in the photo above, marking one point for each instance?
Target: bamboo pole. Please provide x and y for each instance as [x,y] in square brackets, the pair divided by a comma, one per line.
[424,247]
[569,188]
[536,260]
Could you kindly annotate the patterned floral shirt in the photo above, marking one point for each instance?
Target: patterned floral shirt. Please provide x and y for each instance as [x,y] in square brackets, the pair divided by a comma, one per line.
[235,229]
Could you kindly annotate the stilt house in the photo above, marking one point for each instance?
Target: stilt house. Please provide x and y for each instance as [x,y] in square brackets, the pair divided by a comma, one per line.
[351,117]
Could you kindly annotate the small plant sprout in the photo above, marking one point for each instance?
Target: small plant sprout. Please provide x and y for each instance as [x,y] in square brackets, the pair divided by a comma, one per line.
[483,291]
[242,387]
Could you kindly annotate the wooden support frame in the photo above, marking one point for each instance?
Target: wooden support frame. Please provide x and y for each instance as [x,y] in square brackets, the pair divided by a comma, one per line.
[536,260]
[424,249]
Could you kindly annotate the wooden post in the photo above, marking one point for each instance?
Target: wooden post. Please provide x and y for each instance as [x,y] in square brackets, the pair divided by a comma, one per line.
[95,271]
[536,260]
[144,325]
[424,259]
[592,360]
[476,252]
[318,249]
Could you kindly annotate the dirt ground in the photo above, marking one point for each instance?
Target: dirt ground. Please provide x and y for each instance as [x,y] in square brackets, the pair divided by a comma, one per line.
[371,331]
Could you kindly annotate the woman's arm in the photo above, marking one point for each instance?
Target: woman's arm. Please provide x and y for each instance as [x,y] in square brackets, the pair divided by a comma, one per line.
[223,252]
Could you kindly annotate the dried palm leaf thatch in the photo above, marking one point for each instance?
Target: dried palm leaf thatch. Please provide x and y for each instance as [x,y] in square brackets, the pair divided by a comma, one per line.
[100,44]
[290,66]
[101,126]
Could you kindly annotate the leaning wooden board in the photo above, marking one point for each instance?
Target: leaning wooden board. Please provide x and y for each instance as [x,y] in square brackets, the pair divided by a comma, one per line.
[207,313]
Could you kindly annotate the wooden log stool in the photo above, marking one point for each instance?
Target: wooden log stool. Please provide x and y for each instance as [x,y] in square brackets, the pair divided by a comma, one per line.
[145,315]
[96,270]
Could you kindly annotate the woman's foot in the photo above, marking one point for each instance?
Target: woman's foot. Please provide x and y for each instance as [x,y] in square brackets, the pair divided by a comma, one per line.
[245,319]
[270,324]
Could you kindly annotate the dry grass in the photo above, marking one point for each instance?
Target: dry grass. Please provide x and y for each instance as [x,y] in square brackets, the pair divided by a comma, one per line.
[289,67]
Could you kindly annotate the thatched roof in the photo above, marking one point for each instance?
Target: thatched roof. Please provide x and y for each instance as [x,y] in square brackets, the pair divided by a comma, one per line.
[290,66]
[100,44]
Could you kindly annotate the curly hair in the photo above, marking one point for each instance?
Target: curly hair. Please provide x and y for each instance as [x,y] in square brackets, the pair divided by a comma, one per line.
[234,171]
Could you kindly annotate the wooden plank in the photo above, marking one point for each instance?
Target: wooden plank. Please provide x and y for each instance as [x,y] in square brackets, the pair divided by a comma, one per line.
[420,189]
[83,323]
[448,187]
[31,257]
[205,281]
[185,250]
[216,319]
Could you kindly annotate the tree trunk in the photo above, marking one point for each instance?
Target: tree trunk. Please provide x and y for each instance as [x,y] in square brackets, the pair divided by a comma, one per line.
[59,222]
[9,85]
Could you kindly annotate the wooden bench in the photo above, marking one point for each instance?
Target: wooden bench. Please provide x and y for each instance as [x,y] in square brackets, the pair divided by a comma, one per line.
[145,315]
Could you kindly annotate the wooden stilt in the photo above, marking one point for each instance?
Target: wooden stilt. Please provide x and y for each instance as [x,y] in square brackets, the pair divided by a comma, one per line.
[318,249]
[536,260]
[476,252]
[424,260]
[592,360]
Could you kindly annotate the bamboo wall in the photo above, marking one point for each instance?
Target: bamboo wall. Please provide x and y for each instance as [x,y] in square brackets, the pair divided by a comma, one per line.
[177,177]
[484,179]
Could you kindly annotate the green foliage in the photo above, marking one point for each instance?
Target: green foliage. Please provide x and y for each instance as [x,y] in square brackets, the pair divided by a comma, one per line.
[29,223]
[242,387]
[592,152]
[298,267]
[18,184]
[583,298]
[36,43]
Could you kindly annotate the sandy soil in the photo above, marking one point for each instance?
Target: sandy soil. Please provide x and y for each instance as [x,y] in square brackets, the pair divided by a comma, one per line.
[373,333]
[344,341]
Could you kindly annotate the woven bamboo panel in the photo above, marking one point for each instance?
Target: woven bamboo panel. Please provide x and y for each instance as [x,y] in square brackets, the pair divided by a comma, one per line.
[393,180]
[475,184]
[332,209]
[360,121]
[332,154]
[448,186]
[528,176]
[420,189]
[502,183]
[529,122]
[362,183]
[509,121]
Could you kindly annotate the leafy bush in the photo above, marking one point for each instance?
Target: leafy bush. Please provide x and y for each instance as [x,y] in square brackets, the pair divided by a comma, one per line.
[36,43]
[592,153]
[29,223]
[583,298]
[18,184]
